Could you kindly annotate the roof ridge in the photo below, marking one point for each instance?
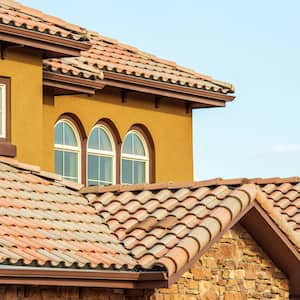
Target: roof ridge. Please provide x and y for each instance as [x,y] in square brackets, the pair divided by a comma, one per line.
[119,188]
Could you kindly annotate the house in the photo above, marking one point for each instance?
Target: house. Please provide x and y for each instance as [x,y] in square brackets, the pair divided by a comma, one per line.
[106,123]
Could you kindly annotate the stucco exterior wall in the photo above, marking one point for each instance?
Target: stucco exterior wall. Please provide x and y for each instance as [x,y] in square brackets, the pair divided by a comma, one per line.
[169,125]
[25,71]
[235,268]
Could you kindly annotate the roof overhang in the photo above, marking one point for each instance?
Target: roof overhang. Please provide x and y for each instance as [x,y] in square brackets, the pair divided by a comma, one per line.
[50,45]
[65,85]
[82,278]
[197,98]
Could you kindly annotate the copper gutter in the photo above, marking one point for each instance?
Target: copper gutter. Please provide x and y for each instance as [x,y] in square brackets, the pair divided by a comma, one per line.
[54,46]
[80,277]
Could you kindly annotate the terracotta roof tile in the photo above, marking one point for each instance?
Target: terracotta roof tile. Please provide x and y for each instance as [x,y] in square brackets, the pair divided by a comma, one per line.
[45,222]
[110,56]
[15,14]
[166,224]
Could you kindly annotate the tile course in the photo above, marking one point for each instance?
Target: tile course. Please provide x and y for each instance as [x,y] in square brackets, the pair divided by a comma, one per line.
[15,14]
[47,221]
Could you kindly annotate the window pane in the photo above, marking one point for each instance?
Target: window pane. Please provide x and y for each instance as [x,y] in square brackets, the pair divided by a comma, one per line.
[139,171]
[71,165]
[69,137]
[127,145]
[59,133]
[138,147]
[58,162]
[105,143]
[94,139]
[127,171]
[93,167]
[106,169]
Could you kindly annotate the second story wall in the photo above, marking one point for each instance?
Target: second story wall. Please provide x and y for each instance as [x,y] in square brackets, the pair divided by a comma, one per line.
[169,125]
[24,69]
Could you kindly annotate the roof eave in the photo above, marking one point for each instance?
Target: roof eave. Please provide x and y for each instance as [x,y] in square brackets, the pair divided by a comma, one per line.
[50,45]
[66,84]
[198,98]
[82,278]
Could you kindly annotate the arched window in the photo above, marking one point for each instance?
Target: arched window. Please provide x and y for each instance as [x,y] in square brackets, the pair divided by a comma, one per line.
[135,159]
[101,156]
[67,150]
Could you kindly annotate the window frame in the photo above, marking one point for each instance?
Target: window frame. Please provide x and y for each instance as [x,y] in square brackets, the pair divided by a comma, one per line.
[67,148]
[101,153]
[134,157]
[5,91]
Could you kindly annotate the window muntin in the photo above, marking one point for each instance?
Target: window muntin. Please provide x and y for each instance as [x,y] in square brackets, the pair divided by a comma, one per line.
[135,159]
[67,151]
[3,110]
[101,157]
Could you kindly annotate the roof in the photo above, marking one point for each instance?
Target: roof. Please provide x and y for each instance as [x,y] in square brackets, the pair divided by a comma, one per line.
[45,222]
[168,226]
[170,223]
[17,15]
[21,25]
[48,222]
[89,61]
[109,55]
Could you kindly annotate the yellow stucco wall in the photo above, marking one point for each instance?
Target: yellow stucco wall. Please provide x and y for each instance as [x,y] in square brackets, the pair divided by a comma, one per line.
[169,125]
[33,118]
[25,71]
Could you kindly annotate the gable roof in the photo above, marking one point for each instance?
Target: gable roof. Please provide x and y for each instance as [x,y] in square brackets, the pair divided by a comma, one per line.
[20,24]
[171,224]
[136,236]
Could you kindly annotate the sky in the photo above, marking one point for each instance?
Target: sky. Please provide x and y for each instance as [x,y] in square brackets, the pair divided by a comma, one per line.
[253,44]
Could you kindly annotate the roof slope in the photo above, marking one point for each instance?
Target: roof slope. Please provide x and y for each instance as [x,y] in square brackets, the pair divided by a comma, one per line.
[109,55]
[171,224]
[45,222]
[17,15]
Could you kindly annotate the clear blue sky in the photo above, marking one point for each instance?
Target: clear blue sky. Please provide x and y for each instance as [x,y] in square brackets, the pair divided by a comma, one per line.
[253,44]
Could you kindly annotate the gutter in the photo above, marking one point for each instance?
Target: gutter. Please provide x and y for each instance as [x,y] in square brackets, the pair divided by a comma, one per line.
[81,277]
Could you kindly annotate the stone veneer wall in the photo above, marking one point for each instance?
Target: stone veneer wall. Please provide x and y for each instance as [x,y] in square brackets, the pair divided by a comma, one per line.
[235,268]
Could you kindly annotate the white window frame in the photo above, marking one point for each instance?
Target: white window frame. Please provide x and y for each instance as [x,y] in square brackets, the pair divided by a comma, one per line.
[134,157]
[68,148]
[3,108]
[99,153]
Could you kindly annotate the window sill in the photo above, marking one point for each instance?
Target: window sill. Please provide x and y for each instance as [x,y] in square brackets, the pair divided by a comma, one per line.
[7,149]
